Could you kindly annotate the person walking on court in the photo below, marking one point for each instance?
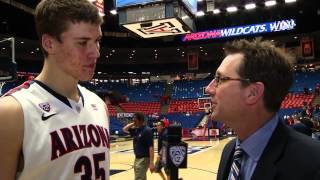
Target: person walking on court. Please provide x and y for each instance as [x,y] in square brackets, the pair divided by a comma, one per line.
[142,146]
[246,93]
[162,135]
[51,127]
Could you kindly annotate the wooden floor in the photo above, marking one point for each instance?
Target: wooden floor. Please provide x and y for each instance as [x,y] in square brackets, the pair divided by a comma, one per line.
[203,160]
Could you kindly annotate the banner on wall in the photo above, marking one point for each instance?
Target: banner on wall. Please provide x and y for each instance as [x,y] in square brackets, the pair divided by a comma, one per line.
[307,49]
[193,63]
[267,27]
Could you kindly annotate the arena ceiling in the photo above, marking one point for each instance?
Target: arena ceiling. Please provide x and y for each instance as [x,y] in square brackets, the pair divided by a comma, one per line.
[122,51]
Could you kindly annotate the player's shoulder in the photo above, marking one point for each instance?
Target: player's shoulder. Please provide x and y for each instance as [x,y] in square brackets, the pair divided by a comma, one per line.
[10,109]
[9,102]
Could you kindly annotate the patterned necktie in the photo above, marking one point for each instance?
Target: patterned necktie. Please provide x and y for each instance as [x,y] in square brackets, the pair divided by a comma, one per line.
[236,164]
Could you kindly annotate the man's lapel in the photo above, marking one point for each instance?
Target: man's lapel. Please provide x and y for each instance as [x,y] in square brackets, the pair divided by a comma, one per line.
[266,168]
[226,160]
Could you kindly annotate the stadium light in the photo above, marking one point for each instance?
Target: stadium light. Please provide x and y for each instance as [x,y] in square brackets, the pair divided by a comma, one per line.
[250,6]
[232,9]
[290,1]
[216,11]
[270,3]
[200,13]
[113,11]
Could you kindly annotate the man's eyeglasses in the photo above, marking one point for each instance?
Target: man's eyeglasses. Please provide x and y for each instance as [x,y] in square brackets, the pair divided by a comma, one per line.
[219,80]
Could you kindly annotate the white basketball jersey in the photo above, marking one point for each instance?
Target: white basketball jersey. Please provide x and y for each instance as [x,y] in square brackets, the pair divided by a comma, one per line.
[63,139]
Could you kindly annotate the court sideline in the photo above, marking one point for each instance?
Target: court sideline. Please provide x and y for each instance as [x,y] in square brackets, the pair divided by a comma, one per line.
[203,160]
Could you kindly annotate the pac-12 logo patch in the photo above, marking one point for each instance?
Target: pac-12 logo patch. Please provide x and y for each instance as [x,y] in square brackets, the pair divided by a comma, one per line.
[45,106]
[177,154]
[94,107]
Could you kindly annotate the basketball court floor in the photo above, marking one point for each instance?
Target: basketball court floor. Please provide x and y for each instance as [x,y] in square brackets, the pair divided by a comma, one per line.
[203,160]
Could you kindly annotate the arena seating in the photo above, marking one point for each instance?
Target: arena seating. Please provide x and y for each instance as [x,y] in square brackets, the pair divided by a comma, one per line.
[112,110]
[183,106]
[188,89]
[148,92]
[144,107]
[115,125]
[305,80]
[296,100]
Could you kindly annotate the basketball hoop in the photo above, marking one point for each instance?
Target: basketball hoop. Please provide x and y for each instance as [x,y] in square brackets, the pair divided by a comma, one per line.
[8,64]
[149,19]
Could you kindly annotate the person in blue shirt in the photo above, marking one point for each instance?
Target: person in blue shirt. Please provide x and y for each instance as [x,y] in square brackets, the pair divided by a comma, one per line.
[142,146]
[246,93]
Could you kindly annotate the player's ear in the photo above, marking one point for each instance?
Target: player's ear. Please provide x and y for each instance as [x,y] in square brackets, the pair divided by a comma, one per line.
[48,43]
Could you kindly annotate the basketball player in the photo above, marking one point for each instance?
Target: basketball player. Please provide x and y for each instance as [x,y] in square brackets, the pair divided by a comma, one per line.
[51,127]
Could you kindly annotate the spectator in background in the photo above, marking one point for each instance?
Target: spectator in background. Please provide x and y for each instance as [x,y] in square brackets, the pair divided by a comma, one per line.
[303,126]
[291,120]
[317,109]
[142,145]
[306,90]
[166,122]
[286,120]
[317,90]
[162,133]
[304,109]
[309,110]
[207,109]
[246,93]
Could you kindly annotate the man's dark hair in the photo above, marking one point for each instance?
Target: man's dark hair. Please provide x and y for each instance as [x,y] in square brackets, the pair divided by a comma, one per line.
[53,17]
[264,62]
[139,116]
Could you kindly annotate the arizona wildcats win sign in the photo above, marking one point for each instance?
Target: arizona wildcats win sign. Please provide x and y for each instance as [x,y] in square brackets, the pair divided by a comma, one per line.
[268,27]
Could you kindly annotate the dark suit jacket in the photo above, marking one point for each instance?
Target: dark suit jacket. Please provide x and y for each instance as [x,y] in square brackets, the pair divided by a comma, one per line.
[288,155]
